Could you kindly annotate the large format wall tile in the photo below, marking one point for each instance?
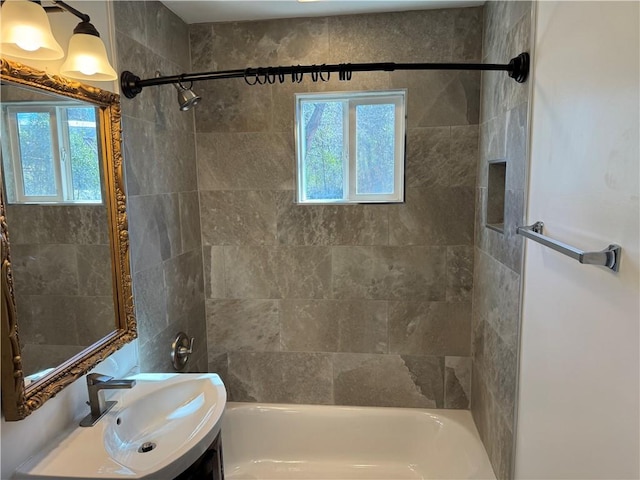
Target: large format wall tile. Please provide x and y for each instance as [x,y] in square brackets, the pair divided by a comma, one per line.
[162,193]
[433,216]
[233,106]
[388,380]
[440,97]
[266,43]
[442,156]
[286,377]
[497,297]
[94,270]
[457,382]
[245,161]
[290,286]
[394,36]
[45,269]
[459,273]
[242,325]
[213,258]
[238,217]
[388,273]
[330,224]
[334,326]
[430,328]
[58,224]
[498,256]
[282,272]
[184,283]
[151,302]
[154,229]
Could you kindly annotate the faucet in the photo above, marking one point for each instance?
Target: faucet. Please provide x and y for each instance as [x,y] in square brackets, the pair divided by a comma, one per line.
[97,382]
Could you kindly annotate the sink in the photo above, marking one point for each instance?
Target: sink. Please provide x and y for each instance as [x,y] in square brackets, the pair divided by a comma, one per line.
[157,430]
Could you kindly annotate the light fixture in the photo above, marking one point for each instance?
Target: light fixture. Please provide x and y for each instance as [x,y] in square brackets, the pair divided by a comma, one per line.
[86,56]
[25,32]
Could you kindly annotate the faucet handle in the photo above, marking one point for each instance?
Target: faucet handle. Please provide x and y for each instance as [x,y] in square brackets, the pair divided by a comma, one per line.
[181,350]
[95,378]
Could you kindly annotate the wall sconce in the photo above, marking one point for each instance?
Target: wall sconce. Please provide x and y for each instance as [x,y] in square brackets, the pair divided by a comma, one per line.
[25,33]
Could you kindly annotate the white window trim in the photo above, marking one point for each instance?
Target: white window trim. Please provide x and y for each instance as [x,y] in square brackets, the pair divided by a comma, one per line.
[16,157]
[60,151]
[350,101]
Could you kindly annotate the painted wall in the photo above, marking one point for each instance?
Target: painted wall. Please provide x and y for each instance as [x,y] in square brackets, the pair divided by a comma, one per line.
[498,255]
[162,199]
[579,394]
[355,305]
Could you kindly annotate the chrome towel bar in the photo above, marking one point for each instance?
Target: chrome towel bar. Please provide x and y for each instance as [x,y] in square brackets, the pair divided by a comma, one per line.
[609,257]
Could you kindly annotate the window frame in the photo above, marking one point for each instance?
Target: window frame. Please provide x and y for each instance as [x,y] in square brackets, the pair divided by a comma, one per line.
[350,100]
[61,152]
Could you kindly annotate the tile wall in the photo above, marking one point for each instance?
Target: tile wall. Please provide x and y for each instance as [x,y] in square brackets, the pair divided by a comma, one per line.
[351,305]
[162,202]
[62,278]
[498,256]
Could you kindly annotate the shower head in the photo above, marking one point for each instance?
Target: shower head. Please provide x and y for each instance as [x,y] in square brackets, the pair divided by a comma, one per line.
[186,97]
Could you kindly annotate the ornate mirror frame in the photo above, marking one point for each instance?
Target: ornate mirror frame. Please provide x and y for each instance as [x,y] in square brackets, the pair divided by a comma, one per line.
[19,401]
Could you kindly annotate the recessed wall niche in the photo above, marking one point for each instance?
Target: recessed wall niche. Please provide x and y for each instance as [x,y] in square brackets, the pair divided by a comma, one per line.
[496,194]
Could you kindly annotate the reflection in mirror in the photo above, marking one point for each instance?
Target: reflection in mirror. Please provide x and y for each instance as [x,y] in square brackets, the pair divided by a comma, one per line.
[59,226]
[66,283]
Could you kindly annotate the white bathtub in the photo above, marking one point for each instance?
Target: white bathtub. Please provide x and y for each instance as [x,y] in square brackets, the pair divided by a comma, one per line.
[269,441]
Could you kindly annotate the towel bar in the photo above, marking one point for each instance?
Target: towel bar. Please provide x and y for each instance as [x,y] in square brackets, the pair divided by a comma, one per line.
[609,257]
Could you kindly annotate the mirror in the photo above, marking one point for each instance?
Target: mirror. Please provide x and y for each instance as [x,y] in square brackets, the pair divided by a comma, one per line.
[66,284]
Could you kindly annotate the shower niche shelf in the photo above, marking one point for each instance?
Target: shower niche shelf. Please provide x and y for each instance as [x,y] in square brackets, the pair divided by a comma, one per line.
[496,195]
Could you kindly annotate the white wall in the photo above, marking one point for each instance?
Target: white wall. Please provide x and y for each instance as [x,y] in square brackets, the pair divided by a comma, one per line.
[20,440]
[579,393]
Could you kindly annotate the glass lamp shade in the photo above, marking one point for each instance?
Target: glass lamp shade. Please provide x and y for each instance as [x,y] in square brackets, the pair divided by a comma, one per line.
[87,59]
[25,32]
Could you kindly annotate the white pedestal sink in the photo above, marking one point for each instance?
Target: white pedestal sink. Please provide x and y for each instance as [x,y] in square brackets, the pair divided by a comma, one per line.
[157,430]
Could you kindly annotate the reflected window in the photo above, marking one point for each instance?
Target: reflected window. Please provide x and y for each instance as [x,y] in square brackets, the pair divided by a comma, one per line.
[350,147]
[51,153]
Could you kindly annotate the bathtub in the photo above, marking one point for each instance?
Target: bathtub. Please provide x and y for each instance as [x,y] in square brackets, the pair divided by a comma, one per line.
[270,441]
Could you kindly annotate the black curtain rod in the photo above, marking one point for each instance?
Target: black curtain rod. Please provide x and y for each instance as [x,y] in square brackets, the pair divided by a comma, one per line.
[131,85]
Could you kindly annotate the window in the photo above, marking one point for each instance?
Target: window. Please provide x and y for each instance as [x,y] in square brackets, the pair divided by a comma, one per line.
[350,147]
[52,154]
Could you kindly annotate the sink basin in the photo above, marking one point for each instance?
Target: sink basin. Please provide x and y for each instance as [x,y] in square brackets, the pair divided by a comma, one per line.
[157,430]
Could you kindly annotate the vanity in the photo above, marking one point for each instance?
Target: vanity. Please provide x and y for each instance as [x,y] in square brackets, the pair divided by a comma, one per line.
[166,426]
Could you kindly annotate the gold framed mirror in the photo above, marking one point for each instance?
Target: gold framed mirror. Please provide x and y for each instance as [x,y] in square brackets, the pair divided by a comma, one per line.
[64,235]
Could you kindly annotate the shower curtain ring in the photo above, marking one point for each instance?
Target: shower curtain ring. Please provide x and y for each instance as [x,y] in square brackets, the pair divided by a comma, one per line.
[296,75]
[280,75]
[185,88]
[324,65]
[314,72]
[270,76]
[247,73]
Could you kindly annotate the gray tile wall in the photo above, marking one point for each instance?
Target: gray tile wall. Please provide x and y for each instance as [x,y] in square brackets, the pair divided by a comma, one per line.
[160,169]
[498,256]
[62,275]
[352,305]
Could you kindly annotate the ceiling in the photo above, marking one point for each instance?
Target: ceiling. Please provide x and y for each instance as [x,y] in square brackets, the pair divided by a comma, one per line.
[237,10]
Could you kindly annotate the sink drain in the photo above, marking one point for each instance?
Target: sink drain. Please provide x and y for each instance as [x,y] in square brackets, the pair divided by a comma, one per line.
[146,447]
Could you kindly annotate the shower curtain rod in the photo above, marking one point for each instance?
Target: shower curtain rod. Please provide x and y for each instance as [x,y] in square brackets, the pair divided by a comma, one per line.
[131,85]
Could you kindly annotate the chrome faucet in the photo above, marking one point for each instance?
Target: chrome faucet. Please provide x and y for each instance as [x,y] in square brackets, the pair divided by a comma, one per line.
[97,382]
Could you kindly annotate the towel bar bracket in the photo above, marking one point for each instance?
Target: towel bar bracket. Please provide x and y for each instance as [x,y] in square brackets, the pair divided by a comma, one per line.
[609,257]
